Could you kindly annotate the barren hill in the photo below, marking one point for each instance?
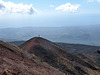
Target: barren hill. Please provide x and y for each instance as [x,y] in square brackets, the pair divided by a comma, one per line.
[55,56]
[13,61]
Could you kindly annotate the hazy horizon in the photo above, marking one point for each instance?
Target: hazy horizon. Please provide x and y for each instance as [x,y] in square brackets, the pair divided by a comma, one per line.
[72,21]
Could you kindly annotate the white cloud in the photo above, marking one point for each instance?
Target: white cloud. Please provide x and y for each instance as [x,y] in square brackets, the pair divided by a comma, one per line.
[10,7]
[52,6]
[68,7]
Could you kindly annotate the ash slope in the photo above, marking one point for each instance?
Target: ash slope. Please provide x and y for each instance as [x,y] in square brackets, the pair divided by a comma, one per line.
[13,61]
[55,56]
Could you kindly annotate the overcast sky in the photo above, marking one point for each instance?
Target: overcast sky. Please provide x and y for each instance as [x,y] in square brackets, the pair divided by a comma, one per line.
[48,13]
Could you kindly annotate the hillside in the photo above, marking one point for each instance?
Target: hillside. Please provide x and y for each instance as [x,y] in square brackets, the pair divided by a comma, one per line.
[92,52]
[55,56]
[13,61]
[80,48]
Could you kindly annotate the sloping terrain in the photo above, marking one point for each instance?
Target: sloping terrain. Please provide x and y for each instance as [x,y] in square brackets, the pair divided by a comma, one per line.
[57,57]
[80,48]
[92,52]
[13,61]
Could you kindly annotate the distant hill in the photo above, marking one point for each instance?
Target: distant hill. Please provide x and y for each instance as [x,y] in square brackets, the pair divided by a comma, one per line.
[17,43]
[80,48]
[92,52]
[87,34]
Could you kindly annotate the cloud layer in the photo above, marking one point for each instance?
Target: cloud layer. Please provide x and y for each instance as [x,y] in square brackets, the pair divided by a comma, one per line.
[68,7]
[10,7]
[51,6]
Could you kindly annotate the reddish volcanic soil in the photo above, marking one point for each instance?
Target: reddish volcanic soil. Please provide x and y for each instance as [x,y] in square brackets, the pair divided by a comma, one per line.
[39,56]
[14,62]
[57,57]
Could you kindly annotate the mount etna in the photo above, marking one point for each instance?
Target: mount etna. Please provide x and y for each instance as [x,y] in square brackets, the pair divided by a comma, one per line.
[39,56]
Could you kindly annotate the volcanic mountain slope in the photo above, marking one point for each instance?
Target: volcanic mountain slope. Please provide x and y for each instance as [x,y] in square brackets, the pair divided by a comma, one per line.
[57,57]
[92,52]
[13,61]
